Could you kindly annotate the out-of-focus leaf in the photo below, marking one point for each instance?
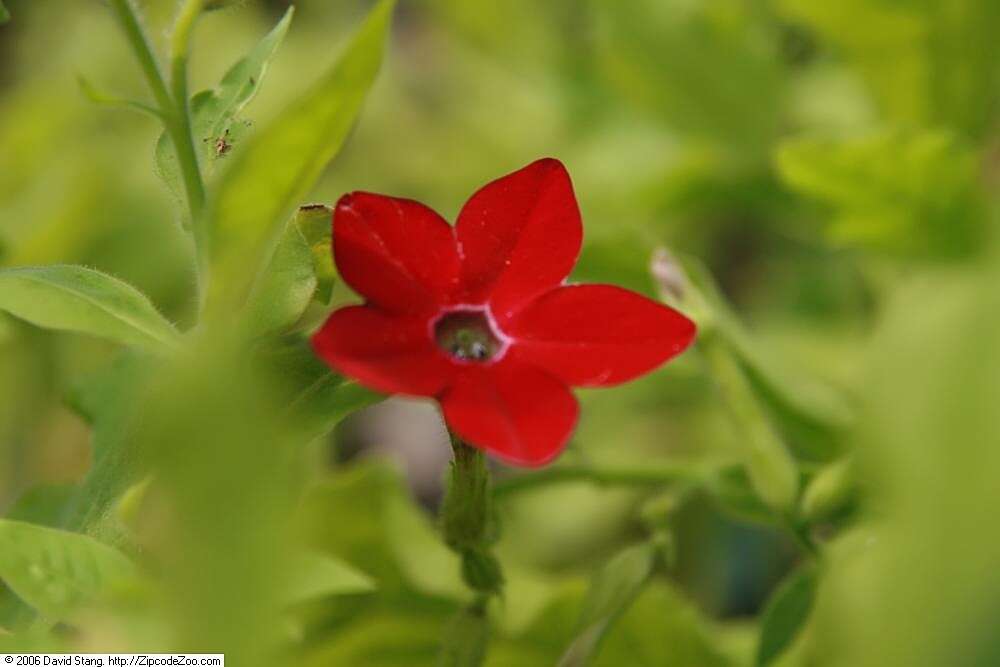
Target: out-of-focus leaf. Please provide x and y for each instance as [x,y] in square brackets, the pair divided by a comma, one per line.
[388,537]
[314,575]
[279,164]
[4,14]
[74,298]
[318,399]
[928,63]
[786,614]
[910,194]
[612,591]
[109,401]
[42,505]
[663,628]
[918,584]
[812,414]
[397,638]
[285,288]
[731,488]
[466,638]
[300,269]
[669,58]
[57,572]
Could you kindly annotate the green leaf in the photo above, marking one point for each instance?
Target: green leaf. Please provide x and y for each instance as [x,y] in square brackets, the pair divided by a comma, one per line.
[318,398]
[97,97]
[786,614]
[730,486]
[314,575]
[611,593]
[909,194]
[292,277]
[927,63]
[812,414]
[213,112]
[4,14]
[241,82]
[286,286]
[74,298]
[41,505]
[109,401]
[665,56]
[280,164]
[466,638]
[389,537]
[57,572]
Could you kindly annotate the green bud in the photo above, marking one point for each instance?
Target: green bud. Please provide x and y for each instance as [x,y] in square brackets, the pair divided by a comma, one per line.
[830,491]
[481,571]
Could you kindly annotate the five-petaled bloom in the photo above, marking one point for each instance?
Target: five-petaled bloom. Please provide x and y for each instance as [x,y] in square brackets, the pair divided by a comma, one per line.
[479,317]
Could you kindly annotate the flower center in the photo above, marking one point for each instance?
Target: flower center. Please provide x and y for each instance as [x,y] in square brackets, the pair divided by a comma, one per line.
[467,335]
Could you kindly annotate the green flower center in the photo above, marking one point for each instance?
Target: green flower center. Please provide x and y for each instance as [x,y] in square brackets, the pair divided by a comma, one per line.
[467,335]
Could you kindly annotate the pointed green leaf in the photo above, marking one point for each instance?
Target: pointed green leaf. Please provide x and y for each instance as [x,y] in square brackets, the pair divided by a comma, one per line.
[243,80]
[74,298]
[57,572]
[611,593]
[315,575]
[786,614]
[213,111]
[280,164]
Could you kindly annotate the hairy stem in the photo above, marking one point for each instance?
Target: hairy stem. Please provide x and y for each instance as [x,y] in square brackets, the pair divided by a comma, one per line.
[183,137]
[172,105]
[468,520]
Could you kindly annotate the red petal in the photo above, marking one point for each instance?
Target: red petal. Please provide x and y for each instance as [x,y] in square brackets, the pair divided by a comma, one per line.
[598,335]
[389,353]
[519,236]
[397,253]
[512,410]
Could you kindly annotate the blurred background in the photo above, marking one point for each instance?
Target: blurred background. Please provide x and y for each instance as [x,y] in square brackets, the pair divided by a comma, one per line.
[832,165]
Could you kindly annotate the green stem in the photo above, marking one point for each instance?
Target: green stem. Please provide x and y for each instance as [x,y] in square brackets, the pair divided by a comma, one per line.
[126,15]
[183,137]
[768,462]
[642,477]
[173,107]
[468,521]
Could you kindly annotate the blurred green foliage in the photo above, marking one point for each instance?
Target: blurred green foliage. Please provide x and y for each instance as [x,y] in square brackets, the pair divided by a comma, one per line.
[833,167]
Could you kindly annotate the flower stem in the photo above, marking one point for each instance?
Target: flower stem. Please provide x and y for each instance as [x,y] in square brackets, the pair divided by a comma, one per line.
[651,476]
[768,462]
[173,107]
[468,520]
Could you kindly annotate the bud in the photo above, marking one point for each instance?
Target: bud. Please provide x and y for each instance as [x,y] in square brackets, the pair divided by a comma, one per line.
[830,492]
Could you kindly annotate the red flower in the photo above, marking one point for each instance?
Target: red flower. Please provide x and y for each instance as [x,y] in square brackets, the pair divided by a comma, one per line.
[478,315]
